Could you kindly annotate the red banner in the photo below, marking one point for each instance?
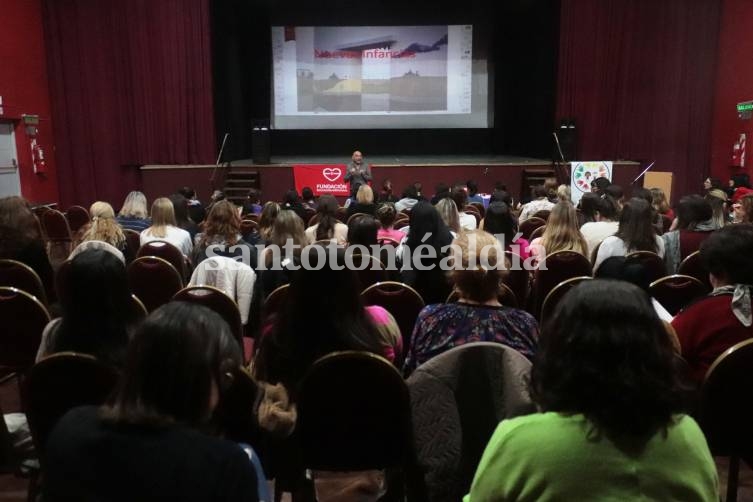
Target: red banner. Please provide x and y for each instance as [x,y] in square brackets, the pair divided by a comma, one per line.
[321,178]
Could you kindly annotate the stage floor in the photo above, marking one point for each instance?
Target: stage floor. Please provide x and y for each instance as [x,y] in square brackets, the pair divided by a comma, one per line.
[404,160]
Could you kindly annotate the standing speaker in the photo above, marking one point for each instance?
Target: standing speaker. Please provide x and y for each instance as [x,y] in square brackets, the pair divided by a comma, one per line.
[260,151]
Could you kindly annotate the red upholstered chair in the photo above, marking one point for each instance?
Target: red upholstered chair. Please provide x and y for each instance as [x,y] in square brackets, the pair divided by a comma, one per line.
[77,217]
[479,207]
[133,241]
[518,278]
[475,212]
[726,410]
[353,216]
[138,309]
[58,383]
[19,275]
[555,296]
[59,237]
[353,414]
[218,301]
[676,292]
[505,296]
[248,226]
[693,266]
[24,318]
[153,280]
[560,266]
[400,222]
[275,300]
[543,214]
[252,217]
[528,226]
[400,300]
[169,253]
[652,262]
[538,232]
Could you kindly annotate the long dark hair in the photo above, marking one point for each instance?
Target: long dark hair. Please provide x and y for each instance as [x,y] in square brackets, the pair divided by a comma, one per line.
[589,205]
[425,219]
[636,228]
[180,205]
[623,376]
[363,230]
[327,210]
[96,302]
[323,313]
[175,358]
[692,210]
[500,221]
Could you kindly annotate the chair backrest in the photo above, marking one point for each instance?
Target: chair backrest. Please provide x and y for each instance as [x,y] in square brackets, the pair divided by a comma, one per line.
[24,318]
[518,279]
[401,221]
[167,252]
[218,301]
[542,213]
[388,241]
[527,227]
[353,413]
[595,254]
[370,269]
[556,294]
[560,266]
[479,207]
[275,300]
[56,226]
[77,217]
[652,263]
[60,382]
[538,232]
[726,410]
[138,309]
[400,300]
[693,266]
[252,217]
[313,220]
[457,400]
[133,241]
[234,415]
[505,296]
[153,280]
[354,216]
[248,226]
[473,211]
[19,275]
[676,292]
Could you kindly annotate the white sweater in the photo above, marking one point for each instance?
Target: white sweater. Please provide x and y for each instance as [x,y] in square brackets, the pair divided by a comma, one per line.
[614,246]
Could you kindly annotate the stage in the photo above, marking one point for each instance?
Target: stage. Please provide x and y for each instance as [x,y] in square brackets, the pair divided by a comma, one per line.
[276,177]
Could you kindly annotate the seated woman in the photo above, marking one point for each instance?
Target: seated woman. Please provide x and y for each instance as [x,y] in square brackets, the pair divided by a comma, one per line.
[222,236]
[287,230]
[364,202]
[134,215]
[363,231]
[712,325]
[164,227]
[386,214]
[182,218]
[103,227]
[694,225]
[97,310]
[292,202]
[501,223]
[448,210]
[477,316]
[20,240]
[604,223]
[612,425]
[561,233]
[155,426]
[267,220]
[635,233]
[323,313]
[661,204]
[742,209]
[252,204]
[719,207]
[328,227]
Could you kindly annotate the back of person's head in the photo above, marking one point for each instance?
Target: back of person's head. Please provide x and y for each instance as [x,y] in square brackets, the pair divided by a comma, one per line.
[327,210]
[180,359]
[180,206]
[620,268]
[410,192]
[223,223]
[288,226]
[365,195]
[499,221]
[643,193]
[307,194]
[598,185]
[623,376]
[134,206]
[254,195]
[103,226]
[291,198]
[564,194]
[562,232]
[746,203]
[692,210]
[538,192]
[96,305]
[740,180]
[387,186]
[18,226]
[659,200]
[267,219]
[717,199]
[163,212]
[419,188]
[727,253]
[427,227]
[441,190]
[472,187]
[363,230]
[478,266]
[589,206]
[636,228]
[614,191]
[448,210]
[550,186]
[460,196]
[187,192]
[386,214]
[608,208]
[501,196]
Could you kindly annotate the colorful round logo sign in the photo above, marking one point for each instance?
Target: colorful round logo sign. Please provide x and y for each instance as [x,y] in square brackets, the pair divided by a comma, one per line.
[585,172]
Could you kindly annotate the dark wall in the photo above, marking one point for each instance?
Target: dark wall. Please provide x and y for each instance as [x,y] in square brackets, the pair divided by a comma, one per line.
[521,40]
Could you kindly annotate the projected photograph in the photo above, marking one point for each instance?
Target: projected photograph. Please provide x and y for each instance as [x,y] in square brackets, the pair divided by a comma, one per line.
[371,69]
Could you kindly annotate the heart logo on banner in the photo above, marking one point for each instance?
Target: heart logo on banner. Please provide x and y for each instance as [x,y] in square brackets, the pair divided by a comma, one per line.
[332,173]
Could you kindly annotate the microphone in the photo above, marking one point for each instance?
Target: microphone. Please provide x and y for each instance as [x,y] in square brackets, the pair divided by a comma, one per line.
[222,148]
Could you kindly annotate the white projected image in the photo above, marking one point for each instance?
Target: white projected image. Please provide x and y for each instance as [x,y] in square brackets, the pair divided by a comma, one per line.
[376,76]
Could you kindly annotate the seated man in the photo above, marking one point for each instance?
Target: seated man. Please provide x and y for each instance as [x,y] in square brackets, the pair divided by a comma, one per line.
[712,325]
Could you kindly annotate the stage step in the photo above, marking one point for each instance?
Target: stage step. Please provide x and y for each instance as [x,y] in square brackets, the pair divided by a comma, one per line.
[238,182]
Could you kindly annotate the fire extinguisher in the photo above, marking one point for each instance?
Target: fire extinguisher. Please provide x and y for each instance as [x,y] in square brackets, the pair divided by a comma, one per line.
[738,152]
[37,157]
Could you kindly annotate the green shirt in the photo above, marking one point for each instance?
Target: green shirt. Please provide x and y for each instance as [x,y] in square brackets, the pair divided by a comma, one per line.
[553,457]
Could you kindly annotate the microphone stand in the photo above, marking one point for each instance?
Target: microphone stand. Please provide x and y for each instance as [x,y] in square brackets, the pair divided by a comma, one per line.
[562,175]
[217,164]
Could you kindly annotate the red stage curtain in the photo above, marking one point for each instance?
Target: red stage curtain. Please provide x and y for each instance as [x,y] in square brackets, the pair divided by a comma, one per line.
[638,77]
[130,83]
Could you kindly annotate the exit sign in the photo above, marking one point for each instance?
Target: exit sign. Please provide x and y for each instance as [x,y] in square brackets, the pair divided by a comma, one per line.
[745,109]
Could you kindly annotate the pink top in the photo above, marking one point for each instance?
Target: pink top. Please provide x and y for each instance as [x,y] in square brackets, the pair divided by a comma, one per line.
[391,233]
[521,248]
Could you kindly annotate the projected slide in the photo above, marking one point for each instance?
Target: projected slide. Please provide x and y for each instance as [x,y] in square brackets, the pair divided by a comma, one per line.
[377,76]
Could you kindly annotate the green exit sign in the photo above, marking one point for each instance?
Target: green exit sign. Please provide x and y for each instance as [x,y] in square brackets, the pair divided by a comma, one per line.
[745,109]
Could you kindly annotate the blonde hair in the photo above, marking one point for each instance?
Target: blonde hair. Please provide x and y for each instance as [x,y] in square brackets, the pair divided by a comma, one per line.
[134,206]
[562,232]
[564,193]
[267,219]
[365,195]
[481,268]
[163,216]
[659,200]
[102,226]
[448,210]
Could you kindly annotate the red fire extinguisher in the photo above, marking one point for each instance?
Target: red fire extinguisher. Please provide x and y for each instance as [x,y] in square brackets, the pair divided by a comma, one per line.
[738,152]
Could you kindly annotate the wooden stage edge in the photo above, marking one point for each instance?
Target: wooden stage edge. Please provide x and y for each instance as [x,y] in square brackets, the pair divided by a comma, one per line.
[277,178]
